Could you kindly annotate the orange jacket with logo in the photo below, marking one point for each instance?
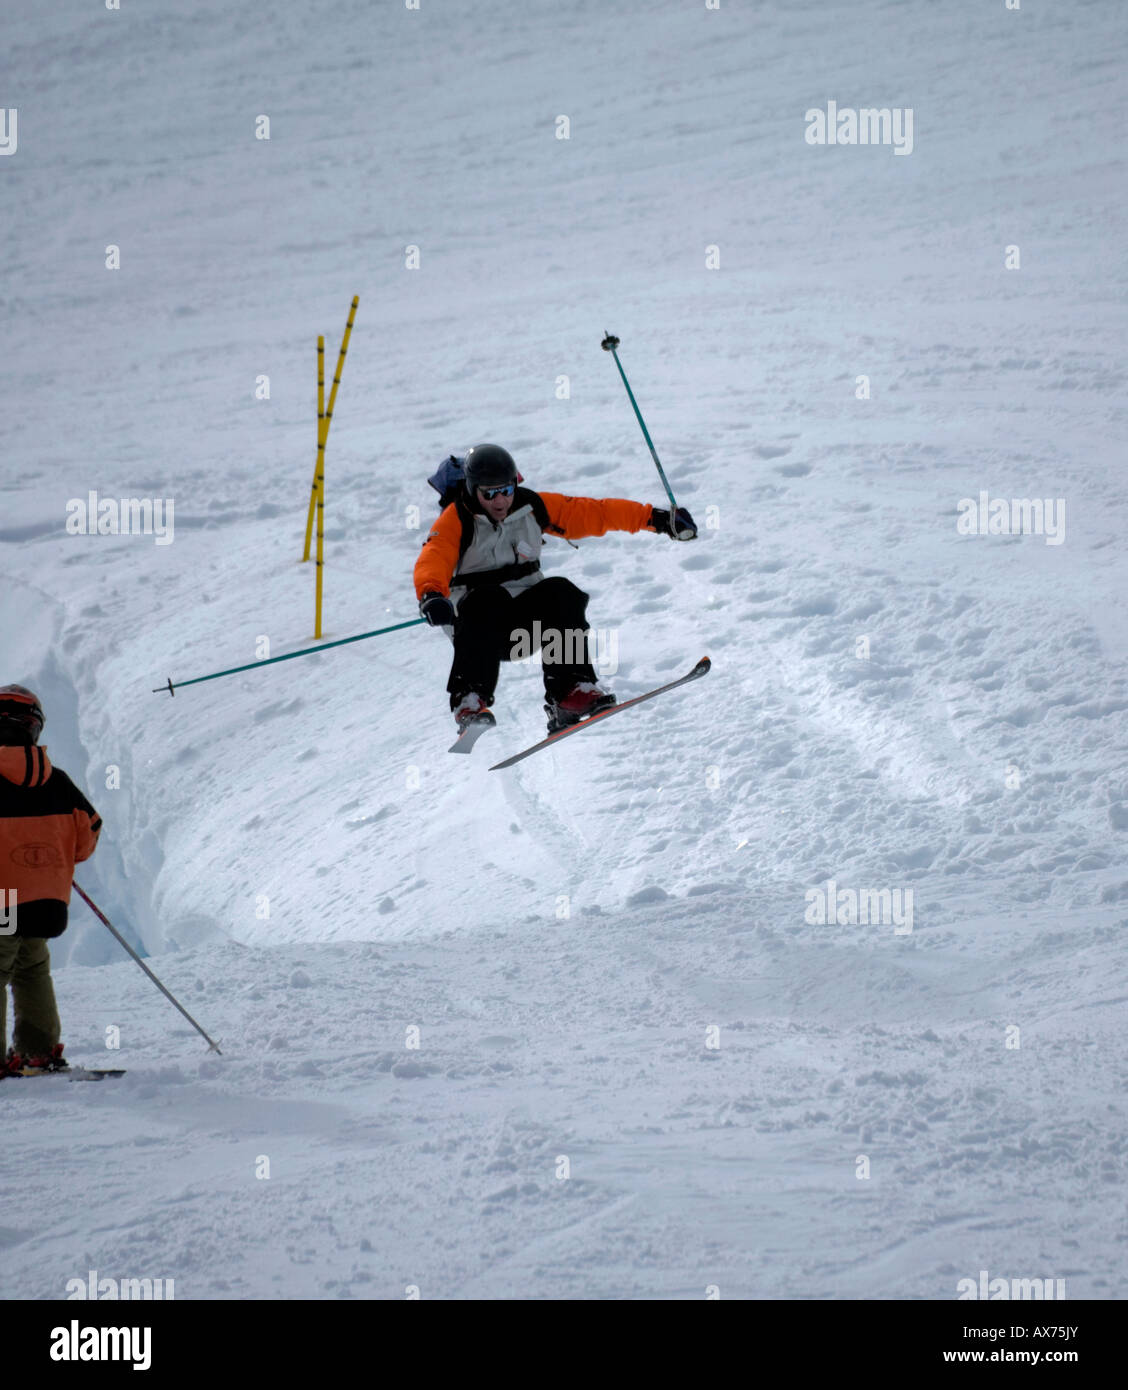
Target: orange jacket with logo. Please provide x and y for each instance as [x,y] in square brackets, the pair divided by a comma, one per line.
[571,517]
[46,827]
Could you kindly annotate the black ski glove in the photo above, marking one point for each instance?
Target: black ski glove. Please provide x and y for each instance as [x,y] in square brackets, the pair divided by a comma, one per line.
[438,611]
[686,526]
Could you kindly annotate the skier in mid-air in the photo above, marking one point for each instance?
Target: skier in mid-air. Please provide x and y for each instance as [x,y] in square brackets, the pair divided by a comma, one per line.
[478,577]
[46,825]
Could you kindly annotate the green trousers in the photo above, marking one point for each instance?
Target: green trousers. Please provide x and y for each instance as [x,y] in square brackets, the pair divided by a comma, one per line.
[25,964]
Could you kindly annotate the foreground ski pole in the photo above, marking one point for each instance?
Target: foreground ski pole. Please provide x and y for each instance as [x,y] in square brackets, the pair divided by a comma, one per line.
[212,1046]
[289,656]
[609,344]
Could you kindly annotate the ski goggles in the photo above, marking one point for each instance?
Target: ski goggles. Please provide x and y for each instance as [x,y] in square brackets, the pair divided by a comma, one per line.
[489,493]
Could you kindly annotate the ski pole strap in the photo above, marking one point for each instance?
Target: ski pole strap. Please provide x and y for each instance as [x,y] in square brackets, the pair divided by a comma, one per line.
[479,578]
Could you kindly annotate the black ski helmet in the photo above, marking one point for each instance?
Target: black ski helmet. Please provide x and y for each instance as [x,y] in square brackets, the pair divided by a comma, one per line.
[488,465]
[21,715]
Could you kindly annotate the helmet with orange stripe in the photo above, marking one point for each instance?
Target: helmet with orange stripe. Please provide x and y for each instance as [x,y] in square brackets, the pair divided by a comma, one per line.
[21,716]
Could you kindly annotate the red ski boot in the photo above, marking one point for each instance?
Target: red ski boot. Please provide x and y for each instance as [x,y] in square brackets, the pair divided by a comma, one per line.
[580,703]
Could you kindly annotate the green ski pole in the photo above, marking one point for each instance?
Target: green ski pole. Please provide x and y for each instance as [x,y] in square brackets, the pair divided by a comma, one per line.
[609,344]
[270,660]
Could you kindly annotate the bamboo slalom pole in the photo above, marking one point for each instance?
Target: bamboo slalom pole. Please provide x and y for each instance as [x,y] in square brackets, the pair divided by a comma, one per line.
[340,366]
[320,548]
[320,458]
[323,438]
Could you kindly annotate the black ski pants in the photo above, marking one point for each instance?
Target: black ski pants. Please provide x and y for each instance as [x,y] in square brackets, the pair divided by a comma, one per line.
[494,625]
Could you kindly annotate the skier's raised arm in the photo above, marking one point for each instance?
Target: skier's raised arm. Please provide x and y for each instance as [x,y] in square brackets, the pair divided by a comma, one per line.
[577,517]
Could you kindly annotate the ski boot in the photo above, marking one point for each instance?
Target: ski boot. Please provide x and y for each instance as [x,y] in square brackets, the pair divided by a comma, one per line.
[473,717]
[470,708]
[18,1064]
[580,703]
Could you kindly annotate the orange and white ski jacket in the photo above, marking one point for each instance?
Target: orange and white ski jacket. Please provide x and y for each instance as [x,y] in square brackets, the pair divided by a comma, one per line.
[465,542]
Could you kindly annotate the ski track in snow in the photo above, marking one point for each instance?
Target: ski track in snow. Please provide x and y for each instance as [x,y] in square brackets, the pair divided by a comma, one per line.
[564,933]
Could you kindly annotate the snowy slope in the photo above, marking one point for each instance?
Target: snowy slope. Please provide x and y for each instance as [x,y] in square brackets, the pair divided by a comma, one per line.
[565,933]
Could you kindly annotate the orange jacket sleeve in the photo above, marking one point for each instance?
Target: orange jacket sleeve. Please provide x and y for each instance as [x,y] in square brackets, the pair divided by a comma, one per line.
[577,517]
[439,557]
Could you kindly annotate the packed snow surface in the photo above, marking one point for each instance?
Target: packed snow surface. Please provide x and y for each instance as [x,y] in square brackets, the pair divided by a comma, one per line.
[579,1028]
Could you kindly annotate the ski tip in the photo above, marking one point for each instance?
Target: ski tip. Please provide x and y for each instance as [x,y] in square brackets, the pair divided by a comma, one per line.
[705,664]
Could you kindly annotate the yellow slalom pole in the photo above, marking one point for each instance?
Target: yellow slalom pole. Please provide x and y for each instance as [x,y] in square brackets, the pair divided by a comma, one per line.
[340,367]
[318,497]
[318,465]
[320,549]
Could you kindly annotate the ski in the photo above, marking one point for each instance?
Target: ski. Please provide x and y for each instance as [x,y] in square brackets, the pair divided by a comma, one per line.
[472,731]
[72,1073]
[700,669]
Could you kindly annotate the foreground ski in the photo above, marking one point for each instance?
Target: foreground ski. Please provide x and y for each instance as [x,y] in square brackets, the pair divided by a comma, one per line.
[700,669]
[71,1073]
[472,731]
